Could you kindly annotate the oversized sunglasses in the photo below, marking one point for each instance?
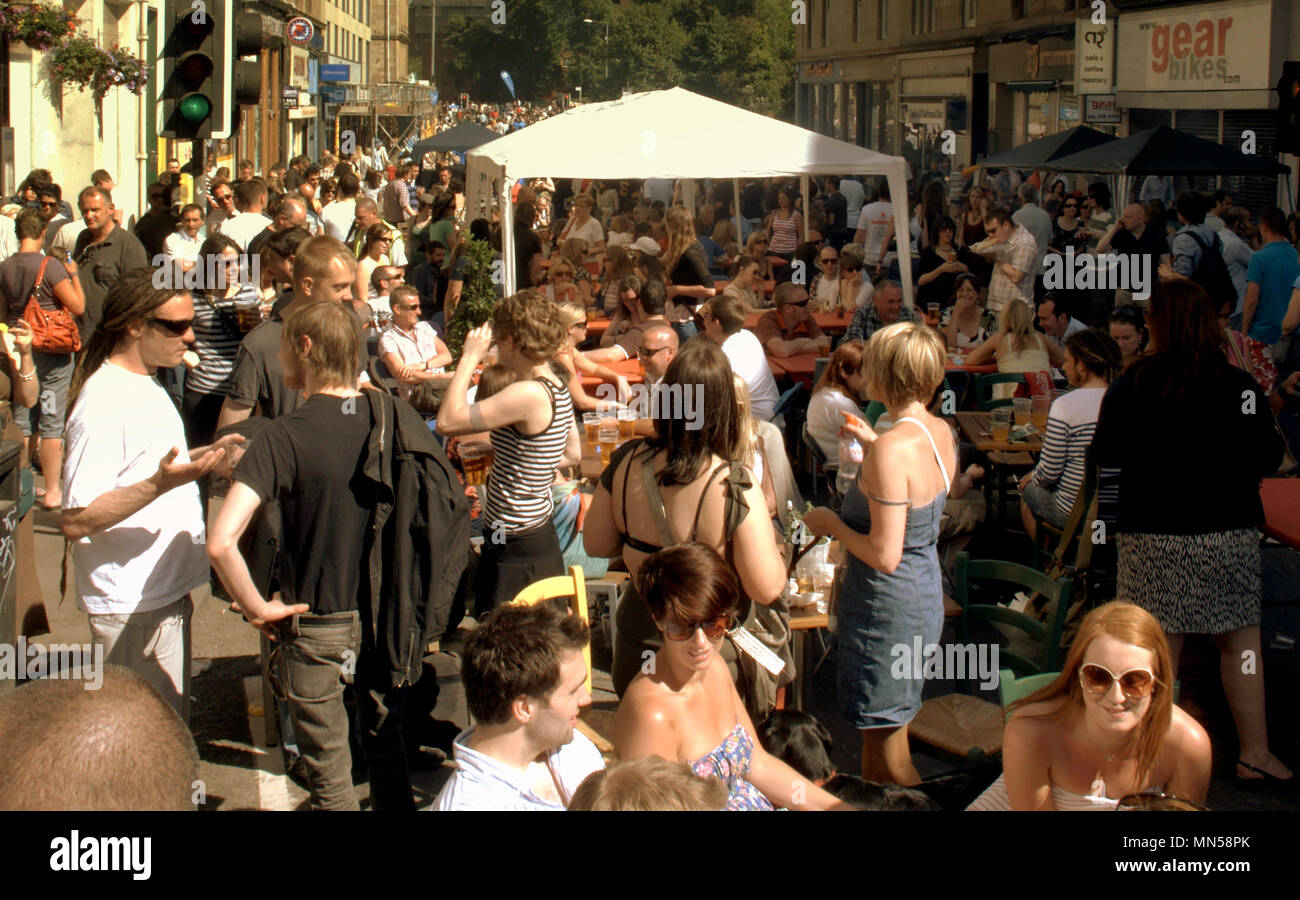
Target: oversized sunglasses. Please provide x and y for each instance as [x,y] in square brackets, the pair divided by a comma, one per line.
[177,327]
[1135,683]
[647,352]
[713,629]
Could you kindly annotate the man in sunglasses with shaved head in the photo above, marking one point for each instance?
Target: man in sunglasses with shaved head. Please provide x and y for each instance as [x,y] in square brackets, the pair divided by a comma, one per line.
[130,505]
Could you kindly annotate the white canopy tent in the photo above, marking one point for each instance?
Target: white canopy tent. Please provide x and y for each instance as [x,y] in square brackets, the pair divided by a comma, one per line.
[670,134]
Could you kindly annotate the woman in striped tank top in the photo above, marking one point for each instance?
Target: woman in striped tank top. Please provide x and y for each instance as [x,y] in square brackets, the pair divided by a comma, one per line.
[785,224]
[533,433]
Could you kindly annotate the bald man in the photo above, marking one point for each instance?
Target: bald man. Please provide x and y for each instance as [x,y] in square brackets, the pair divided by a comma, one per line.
[658,349]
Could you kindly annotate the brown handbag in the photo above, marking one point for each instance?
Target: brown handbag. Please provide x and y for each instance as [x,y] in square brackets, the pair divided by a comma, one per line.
[52,331]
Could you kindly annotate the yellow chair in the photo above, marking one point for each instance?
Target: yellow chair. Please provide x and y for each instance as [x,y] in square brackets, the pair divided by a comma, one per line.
[574,586]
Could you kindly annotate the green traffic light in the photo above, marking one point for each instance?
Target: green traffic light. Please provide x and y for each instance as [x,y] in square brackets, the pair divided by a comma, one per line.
[195,108]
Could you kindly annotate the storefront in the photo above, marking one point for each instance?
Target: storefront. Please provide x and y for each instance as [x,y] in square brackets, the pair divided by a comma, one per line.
[1033,91]
[1208,70]
[851,100]
[936,92]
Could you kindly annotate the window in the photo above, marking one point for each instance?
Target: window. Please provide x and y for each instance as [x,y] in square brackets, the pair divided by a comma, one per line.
[922,16]
[857,21]
[826,16]
[882,19]
[968,13]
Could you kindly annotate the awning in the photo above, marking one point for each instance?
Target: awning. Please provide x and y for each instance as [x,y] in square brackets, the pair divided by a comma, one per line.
[1031,87]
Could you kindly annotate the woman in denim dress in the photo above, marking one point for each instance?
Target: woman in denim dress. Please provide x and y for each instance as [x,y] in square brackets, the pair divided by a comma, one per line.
[892,591]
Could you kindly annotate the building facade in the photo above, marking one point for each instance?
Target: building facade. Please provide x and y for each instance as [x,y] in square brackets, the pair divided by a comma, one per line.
[894,75]
[389,42]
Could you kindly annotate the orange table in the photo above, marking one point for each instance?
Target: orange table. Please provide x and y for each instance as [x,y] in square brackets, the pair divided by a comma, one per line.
[1281,498]
[831,322]
[769,287]
[628,368]
[596,327]
[799,367]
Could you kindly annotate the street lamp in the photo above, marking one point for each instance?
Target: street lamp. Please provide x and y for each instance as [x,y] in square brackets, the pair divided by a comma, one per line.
[606,24]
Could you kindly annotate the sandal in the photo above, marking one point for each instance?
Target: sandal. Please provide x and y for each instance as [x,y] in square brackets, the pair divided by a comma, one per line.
[1266,779]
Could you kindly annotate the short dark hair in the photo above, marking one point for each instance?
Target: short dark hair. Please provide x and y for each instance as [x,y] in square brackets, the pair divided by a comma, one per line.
[311,170]
[653,296]
[349,185]
[29,224]
[1192,206]
[729,313]
[121,747]
[249,192]
[1221,195]
[49,189]
[1274,219]
[687,583]
[192,207]
[997,216]
[1096,351]
[1100,192]
[1058,309]
[284,244]
[516,652]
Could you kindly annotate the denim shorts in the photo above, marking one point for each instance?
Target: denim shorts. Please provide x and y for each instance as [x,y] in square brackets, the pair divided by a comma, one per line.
[1042,503]
[46,418]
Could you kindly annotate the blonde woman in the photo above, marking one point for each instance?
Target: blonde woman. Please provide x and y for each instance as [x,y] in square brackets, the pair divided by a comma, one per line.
[617,265]
[749,449]
[893,587]
[1016,346]
[756,249]
[687,265]
[574,251]
[576,364]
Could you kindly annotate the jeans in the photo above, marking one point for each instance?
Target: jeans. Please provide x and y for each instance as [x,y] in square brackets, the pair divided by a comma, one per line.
[154,645]
[685,331]
[314,658]
[380,713]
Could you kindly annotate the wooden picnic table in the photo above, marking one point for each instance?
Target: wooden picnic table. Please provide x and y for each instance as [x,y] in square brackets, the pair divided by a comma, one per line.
[804,622]
[597,326]
[830,322]
[975,427]
[628,368]
[1281,497]
[799,367]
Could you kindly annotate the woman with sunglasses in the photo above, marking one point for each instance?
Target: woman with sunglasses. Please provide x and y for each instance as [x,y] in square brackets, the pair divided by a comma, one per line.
[1107,727]
[576,364]
[374,252]
[684,707]
[854,289]
[1191,556]
[1068,229]
[756,249]
[574,252]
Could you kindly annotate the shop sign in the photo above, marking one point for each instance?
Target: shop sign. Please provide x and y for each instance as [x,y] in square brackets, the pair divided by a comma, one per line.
[1213,47]
[335,72]
[300,30]
[818,70]
[289,97]
[925,114]
[1094,57]
[1100,109]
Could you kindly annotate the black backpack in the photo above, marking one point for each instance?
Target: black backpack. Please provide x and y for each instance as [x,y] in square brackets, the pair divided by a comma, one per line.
[1212,272]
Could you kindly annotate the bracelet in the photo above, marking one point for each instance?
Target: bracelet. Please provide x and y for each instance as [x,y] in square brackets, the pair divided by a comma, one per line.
[27,376]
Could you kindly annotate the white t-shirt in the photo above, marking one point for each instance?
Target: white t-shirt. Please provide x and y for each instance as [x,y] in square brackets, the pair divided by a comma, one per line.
[825,421]
[123,424]
[854,193]
[590,231]
[875,219]
[337,218]
[180,246]
[243,227]
[750,362]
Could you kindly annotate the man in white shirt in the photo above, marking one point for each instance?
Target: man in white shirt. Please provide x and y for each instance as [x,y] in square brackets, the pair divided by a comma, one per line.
[130,504]
[724,321]
[409,347]
[223,210]
[1035,220]
[250,200]
[874,223]
[337,217]
[854,197]
[1059,326]
[525,683]
[182,245]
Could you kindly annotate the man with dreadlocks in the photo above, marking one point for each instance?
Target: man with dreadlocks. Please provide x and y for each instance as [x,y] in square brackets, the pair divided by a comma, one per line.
[129,499]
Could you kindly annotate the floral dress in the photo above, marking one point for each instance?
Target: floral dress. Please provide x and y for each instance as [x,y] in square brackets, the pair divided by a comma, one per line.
[729,762]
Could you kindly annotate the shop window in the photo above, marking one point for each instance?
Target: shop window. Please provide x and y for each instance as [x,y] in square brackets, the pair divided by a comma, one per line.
[882,19]
[922,16]
[968,12]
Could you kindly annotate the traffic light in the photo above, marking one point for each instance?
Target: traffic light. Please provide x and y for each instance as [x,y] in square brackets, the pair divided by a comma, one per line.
[239,34]
[201,80]
[188,60]
[1288,108]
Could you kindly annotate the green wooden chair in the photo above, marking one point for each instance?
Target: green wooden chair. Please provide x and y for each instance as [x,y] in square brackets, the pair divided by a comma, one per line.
[875,409]
[1077,526]
[1055,591]
[1011,688]
[984,388]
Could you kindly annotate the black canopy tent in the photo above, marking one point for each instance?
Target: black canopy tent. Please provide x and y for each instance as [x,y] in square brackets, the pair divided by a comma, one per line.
[458,139]
[1034,154]
[1165,151]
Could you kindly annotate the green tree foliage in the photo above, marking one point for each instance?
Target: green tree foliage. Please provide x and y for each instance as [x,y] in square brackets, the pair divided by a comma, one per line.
[737,51]
[478,295]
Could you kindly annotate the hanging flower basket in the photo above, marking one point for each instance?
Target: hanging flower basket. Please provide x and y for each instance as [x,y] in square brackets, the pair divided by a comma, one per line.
[81,63]
[38,25]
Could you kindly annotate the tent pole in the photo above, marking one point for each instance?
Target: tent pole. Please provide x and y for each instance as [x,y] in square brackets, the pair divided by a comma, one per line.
[902,232]
[507,235]
[807,203]
[735,190]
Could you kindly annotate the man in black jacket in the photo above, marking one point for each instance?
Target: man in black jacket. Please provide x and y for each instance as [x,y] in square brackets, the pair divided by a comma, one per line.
[350,613]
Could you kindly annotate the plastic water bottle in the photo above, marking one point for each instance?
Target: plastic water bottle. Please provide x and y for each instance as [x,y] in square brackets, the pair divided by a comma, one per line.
[850,463]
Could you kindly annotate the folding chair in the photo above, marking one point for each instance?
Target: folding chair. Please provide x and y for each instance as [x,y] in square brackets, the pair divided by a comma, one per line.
[984,385]
[818,462]
[573,586]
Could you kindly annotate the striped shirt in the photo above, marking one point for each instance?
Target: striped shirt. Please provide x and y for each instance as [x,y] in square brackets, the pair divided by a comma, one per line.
[216,340]
[1070,427]
[523,468]
[784,238]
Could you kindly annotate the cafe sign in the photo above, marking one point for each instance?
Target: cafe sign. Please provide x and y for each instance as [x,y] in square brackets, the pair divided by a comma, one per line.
[1094,57]
[1213,47]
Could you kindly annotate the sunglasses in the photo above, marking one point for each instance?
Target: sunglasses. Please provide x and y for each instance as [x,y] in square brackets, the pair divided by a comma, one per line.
[830,259]
[563,275]
[714,629]
[177,327]
[645,352]
[1135,683]
[803,302]
[402,307]
[1068,205]
[48,203]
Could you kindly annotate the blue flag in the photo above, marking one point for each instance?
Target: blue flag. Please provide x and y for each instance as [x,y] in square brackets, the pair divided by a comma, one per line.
[505,76]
